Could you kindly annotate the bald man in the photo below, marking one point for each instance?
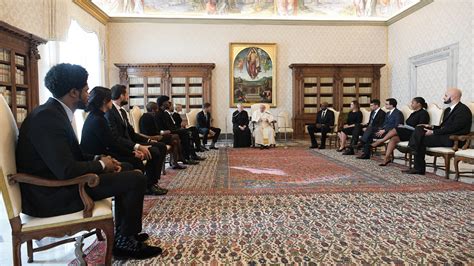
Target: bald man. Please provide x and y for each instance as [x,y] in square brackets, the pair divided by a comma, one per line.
[457,119]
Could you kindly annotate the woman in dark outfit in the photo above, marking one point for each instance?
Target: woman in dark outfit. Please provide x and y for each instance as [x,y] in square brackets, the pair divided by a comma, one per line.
[354,117]
[240,122]
[404,132]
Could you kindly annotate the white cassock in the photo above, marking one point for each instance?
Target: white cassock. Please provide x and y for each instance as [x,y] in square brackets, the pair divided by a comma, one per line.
[263,133]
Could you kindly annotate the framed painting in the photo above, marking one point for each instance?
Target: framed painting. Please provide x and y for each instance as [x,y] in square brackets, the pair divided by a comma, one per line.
[252,73]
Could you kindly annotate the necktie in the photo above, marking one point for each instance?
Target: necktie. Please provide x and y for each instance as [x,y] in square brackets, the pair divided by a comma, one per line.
[324,114]
[372,118]
[124,116]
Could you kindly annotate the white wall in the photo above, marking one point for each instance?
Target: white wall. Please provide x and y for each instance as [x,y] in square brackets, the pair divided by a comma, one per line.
[436,25]
[209,43]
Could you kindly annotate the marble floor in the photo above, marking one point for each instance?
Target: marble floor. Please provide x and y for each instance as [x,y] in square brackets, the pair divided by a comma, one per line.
[63,254]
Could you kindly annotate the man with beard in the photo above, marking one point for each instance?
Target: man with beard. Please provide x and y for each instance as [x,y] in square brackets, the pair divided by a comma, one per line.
[123,132]
[48,147]
[457,120]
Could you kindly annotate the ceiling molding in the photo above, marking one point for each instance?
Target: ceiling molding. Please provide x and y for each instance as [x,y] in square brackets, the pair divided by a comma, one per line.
[102,17]
[409,11]
[93,10]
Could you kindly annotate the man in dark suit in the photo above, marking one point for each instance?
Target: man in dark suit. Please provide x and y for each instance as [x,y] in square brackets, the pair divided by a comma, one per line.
[457,120]
[377,118]
[124,134]
[148,127]
[192,130]
[393,118]
[48,147]
[324,122]
[165,123]
[204,120]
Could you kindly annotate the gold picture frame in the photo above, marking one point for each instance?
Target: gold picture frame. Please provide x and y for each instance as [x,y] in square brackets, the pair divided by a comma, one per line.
[252,73]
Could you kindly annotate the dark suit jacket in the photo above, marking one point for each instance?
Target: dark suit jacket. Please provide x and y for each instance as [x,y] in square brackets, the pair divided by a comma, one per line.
[177,119]
[393,120]
[47,147]
[418,117]
[148,124]
[328,119]
[122,131]
[202,122]
[456,122]
[164,122]
[97,137]
[378,120]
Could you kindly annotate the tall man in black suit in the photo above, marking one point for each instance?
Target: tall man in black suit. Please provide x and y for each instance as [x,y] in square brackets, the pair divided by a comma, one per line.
[377,118]
[393,118]
[204,126]
[123,132]
[324,122]
[457,120]
[165,123]
[48,147]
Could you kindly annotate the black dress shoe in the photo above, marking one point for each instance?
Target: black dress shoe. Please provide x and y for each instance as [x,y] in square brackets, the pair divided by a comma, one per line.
[190,162]
[178,166]
[203,148]
[141,251]
[415,172]
[322,147]
[213,148]
[348,151]
[155,191]
[142,237]
[384,163]
[363,157]
[198,158]
[313,146]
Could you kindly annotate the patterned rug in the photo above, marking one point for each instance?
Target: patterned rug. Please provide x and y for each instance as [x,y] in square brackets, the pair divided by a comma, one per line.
[296,206]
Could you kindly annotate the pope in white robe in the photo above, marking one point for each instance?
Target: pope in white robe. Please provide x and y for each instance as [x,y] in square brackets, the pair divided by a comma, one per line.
[264,133]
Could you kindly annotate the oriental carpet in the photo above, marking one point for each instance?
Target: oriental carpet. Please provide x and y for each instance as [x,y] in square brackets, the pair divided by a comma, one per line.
[296,206]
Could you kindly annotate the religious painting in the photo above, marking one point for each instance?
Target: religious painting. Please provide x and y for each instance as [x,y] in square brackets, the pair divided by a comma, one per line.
[252,73]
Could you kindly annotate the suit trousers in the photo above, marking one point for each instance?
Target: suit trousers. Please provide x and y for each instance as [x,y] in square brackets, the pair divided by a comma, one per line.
[419,141]
[128,188]
[205,132]
[312,129]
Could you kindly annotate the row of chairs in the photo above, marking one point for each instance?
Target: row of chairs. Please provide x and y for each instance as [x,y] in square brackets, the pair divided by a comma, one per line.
[460,154]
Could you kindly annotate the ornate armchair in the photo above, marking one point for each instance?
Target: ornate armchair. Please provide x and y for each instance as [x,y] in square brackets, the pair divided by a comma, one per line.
[135,115]
[465,154]
[96,215]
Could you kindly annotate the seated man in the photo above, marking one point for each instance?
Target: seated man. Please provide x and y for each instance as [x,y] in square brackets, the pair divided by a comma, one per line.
[324,122]
[393,118]
[124,134]
[48,147]
[175,114]
[264,133]
[240,126]
[377,117]
[148,127]
[165,123]
[204,120]
[457,120]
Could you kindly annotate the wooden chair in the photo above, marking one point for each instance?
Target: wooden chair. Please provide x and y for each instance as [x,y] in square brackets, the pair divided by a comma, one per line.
[465,154]
[96,215]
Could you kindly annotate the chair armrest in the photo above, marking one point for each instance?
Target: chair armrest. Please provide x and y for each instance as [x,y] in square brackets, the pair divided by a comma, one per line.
[92,180]
[457,138]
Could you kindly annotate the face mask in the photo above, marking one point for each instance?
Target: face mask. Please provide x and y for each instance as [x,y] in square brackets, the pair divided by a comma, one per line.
[448,101]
